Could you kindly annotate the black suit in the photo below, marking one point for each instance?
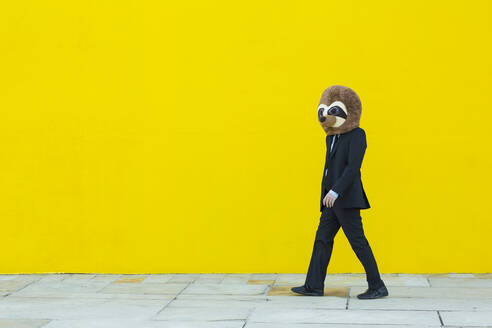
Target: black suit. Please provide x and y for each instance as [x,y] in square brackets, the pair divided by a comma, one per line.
[342,175]
[342,170]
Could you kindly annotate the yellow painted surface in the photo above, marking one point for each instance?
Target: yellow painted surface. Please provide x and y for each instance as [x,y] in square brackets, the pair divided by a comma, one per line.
[261,282]
[129,280]
[159,136]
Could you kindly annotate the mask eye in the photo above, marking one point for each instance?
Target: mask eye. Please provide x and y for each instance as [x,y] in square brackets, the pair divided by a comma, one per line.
[334,110]
[337,111]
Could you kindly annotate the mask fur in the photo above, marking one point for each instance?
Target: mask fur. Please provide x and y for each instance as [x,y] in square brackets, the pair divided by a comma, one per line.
[336,103]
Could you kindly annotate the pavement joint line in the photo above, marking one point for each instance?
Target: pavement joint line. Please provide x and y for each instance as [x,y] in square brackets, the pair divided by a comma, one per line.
[348,298]
[247,316]
[269,287]
[100,289]
[276,278]
[172,300]
[18,290]
[440,319]
[428,281]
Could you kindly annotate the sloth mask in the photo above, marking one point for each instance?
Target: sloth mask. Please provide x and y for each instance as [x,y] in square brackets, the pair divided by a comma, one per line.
[339,110]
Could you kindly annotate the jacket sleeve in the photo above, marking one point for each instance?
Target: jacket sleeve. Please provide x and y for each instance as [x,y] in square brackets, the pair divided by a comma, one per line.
[357,148]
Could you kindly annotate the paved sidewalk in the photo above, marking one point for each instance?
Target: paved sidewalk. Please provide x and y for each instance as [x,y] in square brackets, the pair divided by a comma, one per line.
[240,300]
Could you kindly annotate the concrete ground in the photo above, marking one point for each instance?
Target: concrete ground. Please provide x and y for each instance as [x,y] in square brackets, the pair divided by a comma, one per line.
[240,300]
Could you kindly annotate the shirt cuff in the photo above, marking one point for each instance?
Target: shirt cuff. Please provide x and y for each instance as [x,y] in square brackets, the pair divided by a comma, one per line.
[334,194]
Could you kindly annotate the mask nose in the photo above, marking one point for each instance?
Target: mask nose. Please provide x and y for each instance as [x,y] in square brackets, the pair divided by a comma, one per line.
[321,117]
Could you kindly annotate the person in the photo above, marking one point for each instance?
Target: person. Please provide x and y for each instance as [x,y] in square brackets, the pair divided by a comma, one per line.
[342,193]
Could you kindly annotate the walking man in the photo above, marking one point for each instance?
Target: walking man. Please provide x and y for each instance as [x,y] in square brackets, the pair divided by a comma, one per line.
[342,193]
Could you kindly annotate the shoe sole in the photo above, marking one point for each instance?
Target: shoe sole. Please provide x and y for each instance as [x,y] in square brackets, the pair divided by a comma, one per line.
[307,294]
[372,298]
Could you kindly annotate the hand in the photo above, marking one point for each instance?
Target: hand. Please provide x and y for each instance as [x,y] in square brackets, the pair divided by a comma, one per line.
[329,200]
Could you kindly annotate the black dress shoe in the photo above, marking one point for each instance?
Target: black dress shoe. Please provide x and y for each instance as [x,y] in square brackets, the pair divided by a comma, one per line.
[373,293]
[308,292]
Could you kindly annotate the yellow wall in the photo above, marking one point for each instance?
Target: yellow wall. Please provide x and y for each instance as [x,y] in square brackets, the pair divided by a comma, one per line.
[154,136]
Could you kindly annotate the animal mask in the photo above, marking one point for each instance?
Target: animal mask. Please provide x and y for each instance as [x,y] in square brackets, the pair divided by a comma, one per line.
[339,110]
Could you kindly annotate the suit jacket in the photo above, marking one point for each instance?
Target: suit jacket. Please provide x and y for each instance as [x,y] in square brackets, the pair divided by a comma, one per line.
[342,170]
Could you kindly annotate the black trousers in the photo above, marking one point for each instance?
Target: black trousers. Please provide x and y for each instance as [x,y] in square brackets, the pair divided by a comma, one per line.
[330,222]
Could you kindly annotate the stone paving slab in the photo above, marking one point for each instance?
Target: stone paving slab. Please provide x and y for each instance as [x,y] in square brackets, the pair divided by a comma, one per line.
[240,300]
[148,288]
[209,281]
[328,291]
[264,276]
[460,282]
[483,275]
[459,275]
[60,288]
[228,297]
[329,325]
[225,289]
[183,278]
[216,303]
[23,323]
[115,323]
[277,301]
[107,277]
[78,277]
[81,275]
[260,282]
[239,279]
[309,302]
[204,313]
[332,304]
[285,301]
[343,317]
[423,304]
[389,280]
[19,277]
[348,280]
[51,277]
[67,295]
[212,275]
[11,285]
[470,319]
[291,279]
[59,308]
[433,292]
[161,278]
